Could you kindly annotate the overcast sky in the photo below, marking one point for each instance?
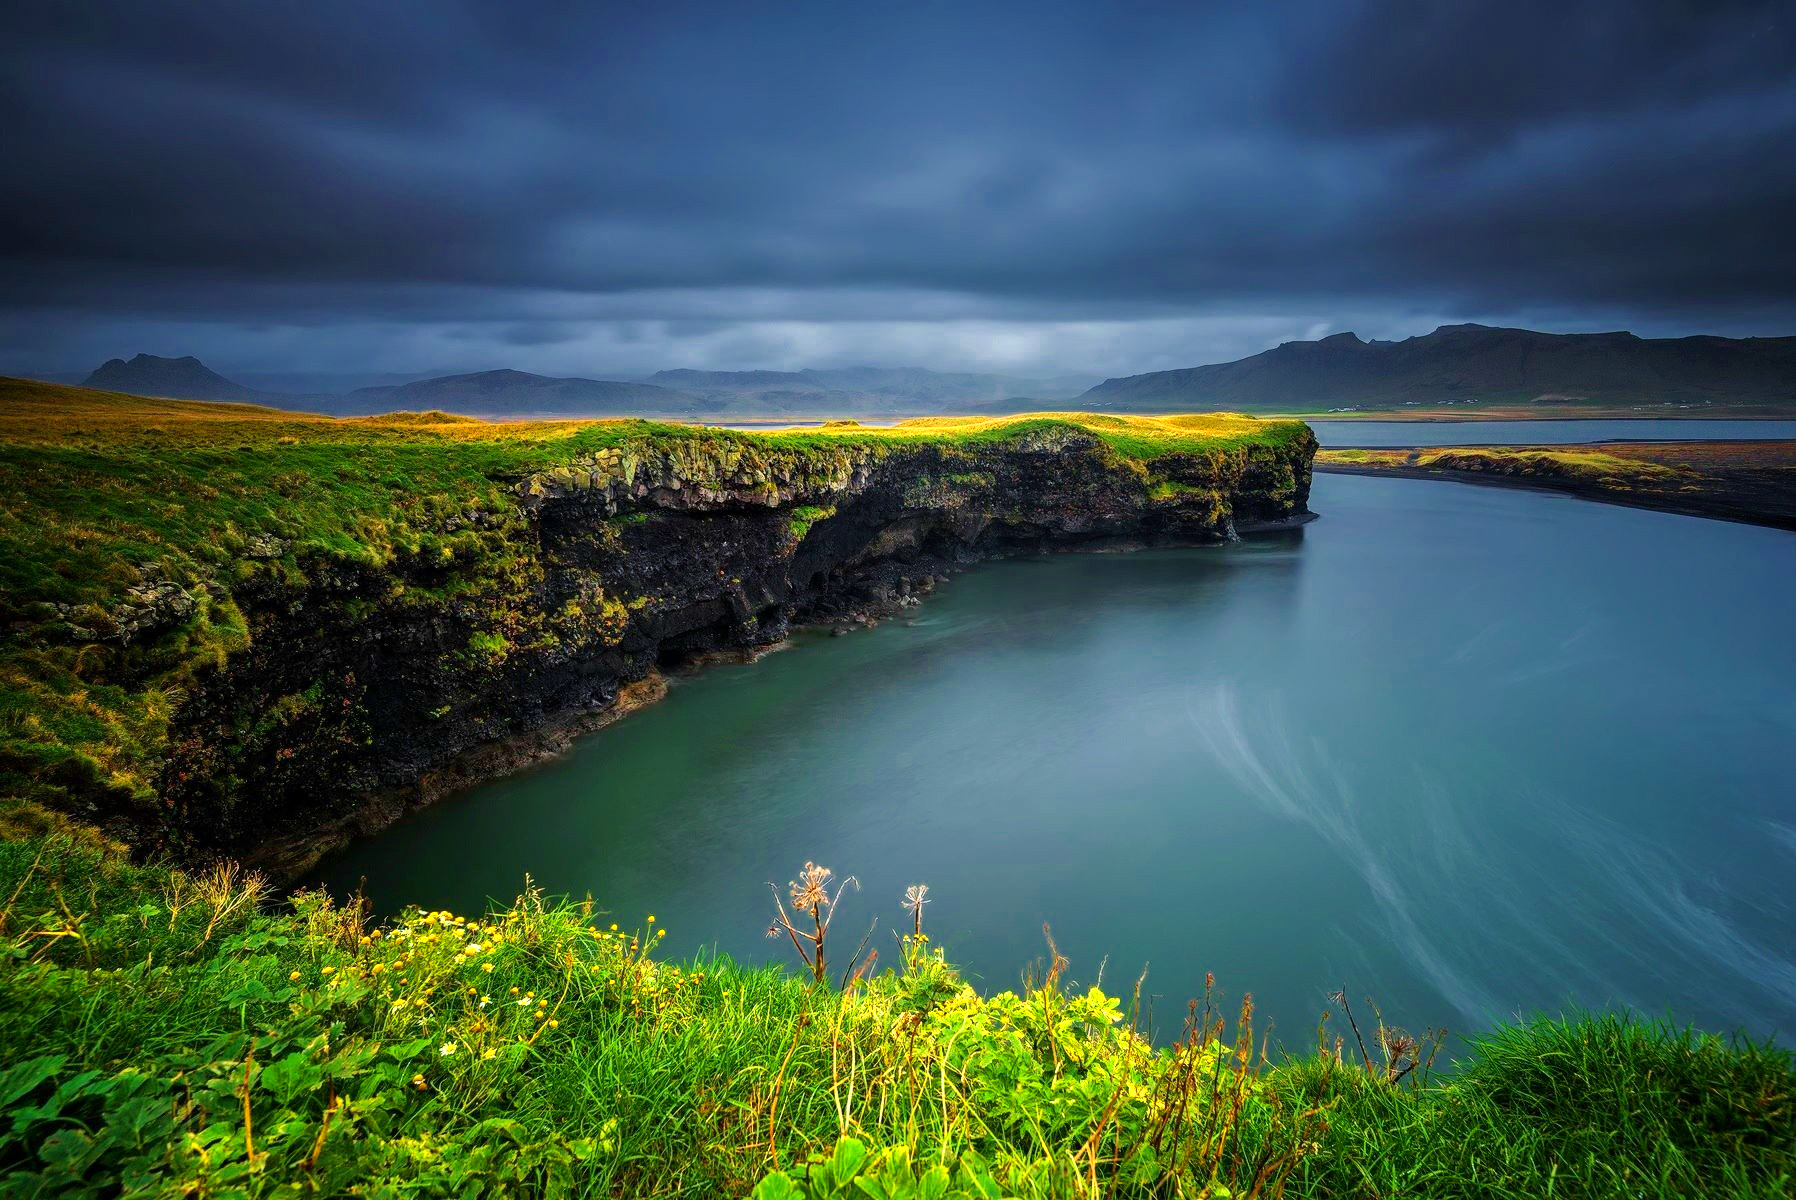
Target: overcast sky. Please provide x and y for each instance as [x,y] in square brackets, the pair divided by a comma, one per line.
[605,188]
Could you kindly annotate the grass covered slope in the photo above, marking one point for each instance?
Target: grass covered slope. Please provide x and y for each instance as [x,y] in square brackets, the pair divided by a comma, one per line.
[139,539]
[1739,481]
[168,1035]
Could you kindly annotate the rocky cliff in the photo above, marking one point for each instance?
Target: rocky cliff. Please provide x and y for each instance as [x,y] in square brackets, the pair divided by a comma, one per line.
[349,686]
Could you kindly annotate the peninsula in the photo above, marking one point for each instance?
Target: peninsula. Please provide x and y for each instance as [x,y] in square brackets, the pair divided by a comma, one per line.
[231,630]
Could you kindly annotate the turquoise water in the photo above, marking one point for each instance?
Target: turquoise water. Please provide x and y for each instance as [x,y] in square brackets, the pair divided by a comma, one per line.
[1470,751]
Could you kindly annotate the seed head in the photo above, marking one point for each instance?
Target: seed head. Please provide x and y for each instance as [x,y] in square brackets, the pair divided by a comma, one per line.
[808,893]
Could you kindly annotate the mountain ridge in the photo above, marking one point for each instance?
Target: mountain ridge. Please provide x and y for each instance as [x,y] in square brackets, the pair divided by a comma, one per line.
[1471,364]
[1455,365]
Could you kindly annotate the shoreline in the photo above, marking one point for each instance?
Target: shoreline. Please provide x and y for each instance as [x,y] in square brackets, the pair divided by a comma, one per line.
[291,861]
[1687,506]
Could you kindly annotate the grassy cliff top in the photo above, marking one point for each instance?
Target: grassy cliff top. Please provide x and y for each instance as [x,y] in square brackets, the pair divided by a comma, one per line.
[91,481]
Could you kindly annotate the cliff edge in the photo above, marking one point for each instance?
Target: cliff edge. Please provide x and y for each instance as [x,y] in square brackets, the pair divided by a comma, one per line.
[234,631]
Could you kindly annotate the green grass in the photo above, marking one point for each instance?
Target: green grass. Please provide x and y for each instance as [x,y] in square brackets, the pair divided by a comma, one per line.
[167,1035]
[105,499]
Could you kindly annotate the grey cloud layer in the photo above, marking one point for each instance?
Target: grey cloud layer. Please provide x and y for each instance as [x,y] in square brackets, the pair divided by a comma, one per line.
[536,166]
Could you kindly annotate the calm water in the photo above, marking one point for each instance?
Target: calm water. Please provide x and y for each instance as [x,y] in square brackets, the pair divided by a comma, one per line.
[1473,751]
[1543,433]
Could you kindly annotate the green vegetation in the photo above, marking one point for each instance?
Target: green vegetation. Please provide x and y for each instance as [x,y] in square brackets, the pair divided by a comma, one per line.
[805,516]
[131,529]
[166,1035]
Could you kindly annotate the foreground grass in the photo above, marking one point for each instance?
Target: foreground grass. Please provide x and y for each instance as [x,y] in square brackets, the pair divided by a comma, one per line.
[164,1035]
[132,532]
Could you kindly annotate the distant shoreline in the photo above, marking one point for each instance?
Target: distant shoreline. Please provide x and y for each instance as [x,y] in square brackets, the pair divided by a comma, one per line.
[1445,416]
[1752,483]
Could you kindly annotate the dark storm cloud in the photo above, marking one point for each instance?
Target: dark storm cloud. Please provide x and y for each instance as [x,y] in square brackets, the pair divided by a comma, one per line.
[536,167]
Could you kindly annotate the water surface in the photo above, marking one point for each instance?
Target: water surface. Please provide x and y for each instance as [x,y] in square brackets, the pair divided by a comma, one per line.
[1473,751]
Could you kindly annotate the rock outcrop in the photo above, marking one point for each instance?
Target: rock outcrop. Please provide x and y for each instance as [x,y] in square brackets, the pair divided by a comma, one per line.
[351,701]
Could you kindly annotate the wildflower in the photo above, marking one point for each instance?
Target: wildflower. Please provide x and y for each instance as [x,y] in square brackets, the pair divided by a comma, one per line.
[524,1003]
[488,1052]
[446,1049]
[660,933]
[485,1000]
[554,1024]
[651,918]
[418,1081]
[514,991]
[487,967]
[614,927]
[401,1002]
[328,971]
[293,977]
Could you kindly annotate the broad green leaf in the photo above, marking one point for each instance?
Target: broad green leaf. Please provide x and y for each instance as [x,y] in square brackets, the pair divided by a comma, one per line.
[850,1154]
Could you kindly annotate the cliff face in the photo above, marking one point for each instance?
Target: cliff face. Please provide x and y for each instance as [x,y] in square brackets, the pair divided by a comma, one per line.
[230,630]
[346,708]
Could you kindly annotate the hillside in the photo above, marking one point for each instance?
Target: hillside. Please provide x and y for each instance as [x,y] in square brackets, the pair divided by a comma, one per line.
[518,393]
[848,391]
[171,378]
[1472,365]
[876,390]
[766,392]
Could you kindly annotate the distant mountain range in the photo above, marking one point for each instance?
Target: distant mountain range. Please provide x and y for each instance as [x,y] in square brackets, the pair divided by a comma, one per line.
[517,393]
[683,393]
[1454,365]
[850,390]
[1470,364]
